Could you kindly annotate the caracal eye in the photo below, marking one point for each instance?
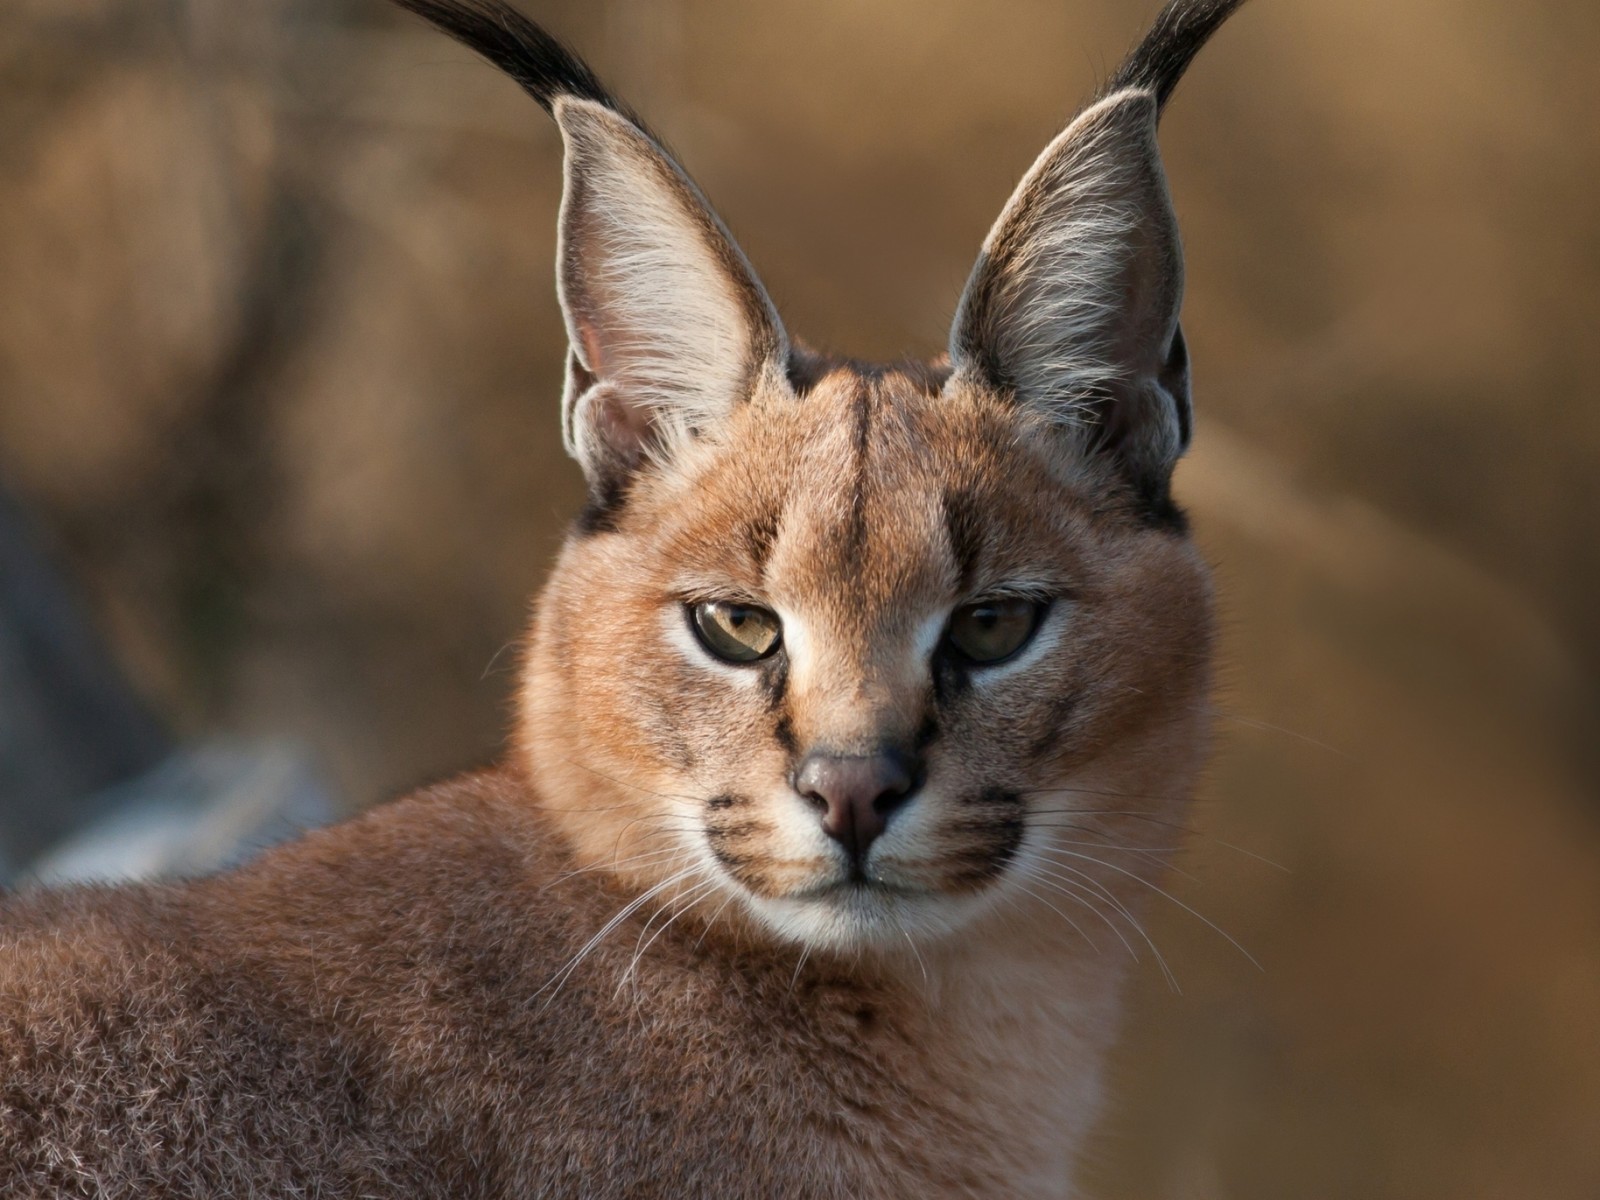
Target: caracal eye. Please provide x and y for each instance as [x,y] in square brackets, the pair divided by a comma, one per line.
[992,630]
[734,632]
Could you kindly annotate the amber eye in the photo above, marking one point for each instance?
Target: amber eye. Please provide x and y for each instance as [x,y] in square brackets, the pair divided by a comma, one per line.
[736,633]
[992,630]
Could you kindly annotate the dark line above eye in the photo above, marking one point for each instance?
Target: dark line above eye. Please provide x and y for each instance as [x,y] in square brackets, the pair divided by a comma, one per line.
[602,509]
[863,439]
[760,536]
[964,527]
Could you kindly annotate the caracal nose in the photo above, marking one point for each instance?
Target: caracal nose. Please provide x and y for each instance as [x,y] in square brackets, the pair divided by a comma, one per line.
[856,794]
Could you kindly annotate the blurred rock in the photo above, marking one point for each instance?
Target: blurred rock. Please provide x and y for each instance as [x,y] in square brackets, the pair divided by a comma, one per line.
[69,724]
[207,807]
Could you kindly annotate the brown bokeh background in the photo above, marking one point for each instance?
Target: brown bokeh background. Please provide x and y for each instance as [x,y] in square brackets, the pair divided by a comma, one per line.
[279,365]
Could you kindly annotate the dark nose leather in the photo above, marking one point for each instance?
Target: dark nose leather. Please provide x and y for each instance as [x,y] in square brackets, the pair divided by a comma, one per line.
[856,794]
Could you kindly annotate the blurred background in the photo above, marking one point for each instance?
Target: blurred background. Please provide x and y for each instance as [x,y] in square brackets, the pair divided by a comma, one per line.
[279,368]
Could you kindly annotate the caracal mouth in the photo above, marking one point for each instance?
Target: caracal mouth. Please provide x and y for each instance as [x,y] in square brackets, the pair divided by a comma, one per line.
[855,889]
[847,914]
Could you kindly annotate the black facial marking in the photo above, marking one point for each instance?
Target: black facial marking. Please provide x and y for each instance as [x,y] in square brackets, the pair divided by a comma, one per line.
[1012,828]
[1156,507]
[602,511]
[1000,798]
[927,733]
[987,866]
[760,536]
[964,527]
[737,829]
[773,674]
[1059,716]
[729,859]
[783,734]
[726,800]
[951,679]
[1001,828]
[858,493]
[989,834]
[718,838]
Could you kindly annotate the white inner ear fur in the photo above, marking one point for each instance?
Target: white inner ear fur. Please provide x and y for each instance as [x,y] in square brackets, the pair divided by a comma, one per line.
[662,312]
[1081,277]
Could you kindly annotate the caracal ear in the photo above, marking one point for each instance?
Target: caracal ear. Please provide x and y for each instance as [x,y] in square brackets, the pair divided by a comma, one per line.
[669,328]
[1073,305]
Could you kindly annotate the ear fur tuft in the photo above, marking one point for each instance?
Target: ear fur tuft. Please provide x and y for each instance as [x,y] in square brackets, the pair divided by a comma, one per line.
[537,60]
[668,326]
[1043,312]
[1165,52]
[1073,305]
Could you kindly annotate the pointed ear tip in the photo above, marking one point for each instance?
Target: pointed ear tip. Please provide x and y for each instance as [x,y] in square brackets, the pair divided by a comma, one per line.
[577,114]
[1136,105]
[1129,113]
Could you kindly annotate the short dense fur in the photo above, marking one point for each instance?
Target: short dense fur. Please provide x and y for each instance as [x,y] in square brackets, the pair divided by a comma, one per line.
[630,962]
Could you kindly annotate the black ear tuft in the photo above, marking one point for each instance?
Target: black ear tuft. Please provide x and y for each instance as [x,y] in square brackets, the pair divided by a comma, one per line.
[1164,54]
[534,58]
[668,327]
[1072,307]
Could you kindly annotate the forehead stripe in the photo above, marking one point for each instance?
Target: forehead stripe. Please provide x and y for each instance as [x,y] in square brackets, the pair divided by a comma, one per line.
[858,498]
[964,531]
[760,536]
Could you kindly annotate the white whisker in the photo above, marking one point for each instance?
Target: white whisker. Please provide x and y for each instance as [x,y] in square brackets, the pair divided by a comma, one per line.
[1076,927]
[688,901]
[1160,891]
[1072,888]
[560,978]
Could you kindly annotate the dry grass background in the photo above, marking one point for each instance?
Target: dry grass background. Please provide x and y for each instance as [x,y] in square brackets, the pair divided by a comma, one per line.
[279,360]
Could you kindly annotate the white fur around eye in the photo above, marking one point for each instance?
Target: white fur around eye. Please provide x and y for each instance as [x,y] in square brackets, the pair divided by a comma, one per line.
[675,629]
[929,633]
[798,646]
[1044,640]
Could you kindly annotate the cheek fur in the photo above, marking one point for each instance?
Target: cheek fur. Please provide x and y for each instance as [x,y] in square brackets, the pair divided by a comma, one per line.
[955,844]
[770,844]
[724,738]
[672,626]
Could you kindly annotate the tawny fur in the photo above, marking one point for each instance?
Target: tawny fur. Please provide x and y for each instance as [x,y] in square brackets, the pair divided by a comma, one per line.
[628,961]
[381,1009]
